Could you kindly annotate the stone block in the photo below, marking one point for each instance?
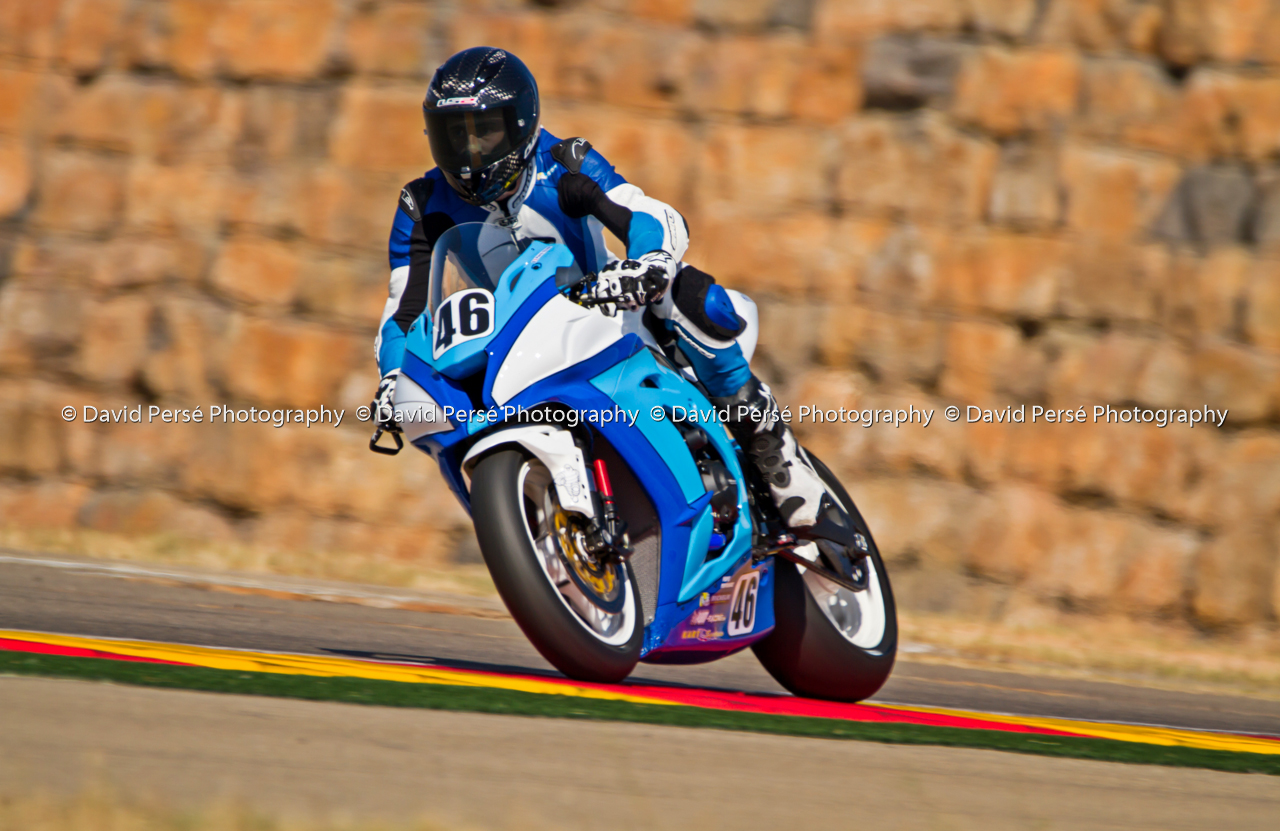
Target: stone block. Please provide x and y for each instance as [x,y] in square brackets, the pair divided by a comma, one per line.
[30,30]
[1265,230]
[1262,306]
[1233,575]
[893,348]
[1204,295]
[1097,371]
[1015,530]
[1236,378]
[1004,273]
[91,30]
[1130,102]
[20,98]
[257,270]
[845,21]
[1156,572]
[1112,194]
[786,256]
[1026,193]
[775,76]
[29,442]
[114,340]
[391,39]
[1006,91]
[1165,378]
[919,168]
[79,192]
[15,176]
[1005,18]
[380,128]
[188,198]
[902,72]
[1083,565]
[282,39]
[39,325]
[976,355]
[536,38]
[665,11]
[181,335]
[918,521]
[759,166]
[1210,30]
[616,65]
[1212,205]
[343,289]
[344,207]
[43,505]
[1230,115]
[735,14]
[126,262]
[1104,25]
[283,363]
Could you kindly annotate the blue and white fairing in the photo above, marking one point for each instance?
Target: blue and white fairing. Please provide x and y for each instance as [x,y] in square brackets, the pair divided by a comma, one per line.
[498,335]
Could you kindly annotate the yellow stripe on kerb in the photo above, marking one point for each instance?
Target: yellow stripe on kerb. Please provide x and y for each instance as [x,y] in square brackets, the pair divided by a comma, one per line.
[1141,734]
[321,666]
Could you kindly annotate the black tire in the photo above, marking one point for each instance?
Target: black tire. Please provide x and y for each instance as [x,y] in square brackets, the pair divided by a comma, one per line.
[806,653]
[535,603]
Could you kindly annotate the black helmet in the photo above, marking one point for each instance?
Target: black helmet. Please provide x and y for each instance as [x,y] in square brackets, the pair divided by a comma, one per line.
[482,118]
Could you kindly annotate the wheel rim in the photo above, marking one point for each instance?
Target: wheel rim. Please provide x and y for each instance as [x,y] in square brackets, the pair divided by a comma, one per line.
[600,597]
[858,616]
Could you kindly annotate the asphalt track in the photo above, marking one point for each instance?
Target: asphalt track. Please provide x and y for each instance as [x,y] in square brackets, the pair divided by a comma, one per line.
[466,770]
[183,606]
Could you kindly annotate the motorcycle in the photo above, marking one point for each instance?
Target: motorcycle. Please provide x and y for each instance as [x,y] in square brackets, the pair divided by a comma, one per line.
[617,516]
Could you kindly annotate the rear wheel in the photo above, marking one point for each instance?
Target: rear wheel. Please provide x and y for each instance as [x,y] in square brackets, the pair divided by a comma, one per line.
[582,614]
[830,642]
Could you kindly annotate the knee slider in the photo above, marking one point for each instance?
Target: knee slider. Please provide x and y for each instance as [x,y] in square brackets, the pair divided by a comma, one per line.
[706,304]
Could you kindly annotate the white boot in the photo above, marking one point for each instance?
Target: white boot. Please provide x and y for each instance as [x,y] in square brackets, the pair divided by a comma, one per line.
[771,446]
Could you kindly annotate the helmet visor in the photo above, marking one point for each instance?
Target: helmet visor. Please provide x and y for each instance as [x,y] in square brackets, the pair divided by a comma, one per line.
[471,140]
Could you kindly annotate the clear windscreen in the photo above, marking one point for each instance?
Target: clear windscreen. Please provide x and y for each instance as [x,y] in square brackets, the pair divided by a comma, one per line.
[470,256]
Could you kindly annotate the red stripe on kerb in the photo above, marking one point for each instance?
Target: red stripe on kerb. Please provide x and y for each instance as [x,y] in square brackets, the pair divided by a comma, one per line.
[9,645]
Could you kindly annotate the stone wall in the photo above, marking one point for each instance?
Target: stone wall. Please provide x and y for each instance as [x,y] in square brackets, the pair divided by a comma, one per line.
[988,202]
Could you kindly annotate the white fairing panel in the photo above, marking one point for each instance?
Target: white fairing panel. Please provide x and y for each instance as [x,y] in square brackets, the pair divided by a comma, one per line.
[416,411]
[560,335]
[554,447]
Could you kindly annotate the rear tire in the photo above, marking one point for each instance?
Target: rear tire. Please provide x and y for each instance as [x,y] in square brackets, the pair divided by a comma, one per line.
[806,652]
[589,644]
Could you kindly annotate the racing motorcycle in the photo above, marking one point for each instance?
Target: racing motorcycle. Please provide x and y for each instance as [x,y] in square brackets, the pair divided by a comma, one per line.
[619,519]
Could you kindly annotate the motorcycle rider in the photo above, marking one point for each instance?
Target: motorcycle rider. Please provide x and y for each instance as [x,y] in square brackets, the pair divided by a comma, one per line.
[496,164]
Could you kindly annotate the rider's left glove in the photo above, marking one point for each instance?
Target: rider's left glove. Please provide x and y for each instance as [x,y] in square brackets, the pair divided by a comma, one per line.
[630,284]
[384,413]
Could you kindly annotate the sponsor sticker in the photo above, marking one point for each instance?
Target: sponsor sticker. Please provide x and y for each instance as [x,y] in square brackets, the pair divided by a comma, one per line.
[457,102]
[705,599]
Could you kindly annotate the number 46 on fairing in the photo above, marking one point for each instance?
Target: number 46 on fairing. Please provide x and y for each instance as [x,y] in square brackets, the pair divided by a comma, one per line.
[463,316]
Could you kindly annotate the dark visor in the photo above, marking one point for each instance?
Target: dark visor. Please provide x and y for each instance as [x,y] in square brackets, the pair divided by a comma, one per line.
[472,139]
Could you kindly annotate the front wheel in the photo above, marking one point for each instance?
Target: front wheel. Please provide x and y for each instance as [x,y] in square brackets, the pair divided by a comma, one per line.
[830,642]
[583,615]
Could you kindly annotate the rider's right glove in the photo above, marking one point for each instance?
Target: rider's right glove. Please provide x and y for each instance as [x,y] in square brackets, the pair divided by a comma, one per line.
[384,414]
[630,284]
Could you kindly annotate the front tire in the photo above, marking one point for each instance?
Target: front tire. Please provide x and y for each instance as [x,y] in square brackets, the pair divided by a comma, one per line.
[830,642]
[588,637]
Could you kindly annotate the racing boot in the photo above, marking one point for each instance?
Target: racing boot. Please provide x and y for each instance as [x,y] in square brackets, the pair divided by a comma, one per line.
[797,490]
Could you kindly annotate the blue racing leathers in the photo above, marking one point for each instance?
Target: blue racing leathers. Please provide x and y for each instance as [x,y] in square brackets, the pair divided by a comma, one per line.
[711,325]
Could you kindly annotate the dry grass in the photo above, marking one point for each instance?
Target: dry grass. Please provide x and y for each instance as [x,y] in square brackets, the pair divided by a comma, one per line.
[347,567]
[1118,649]
[99,809]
